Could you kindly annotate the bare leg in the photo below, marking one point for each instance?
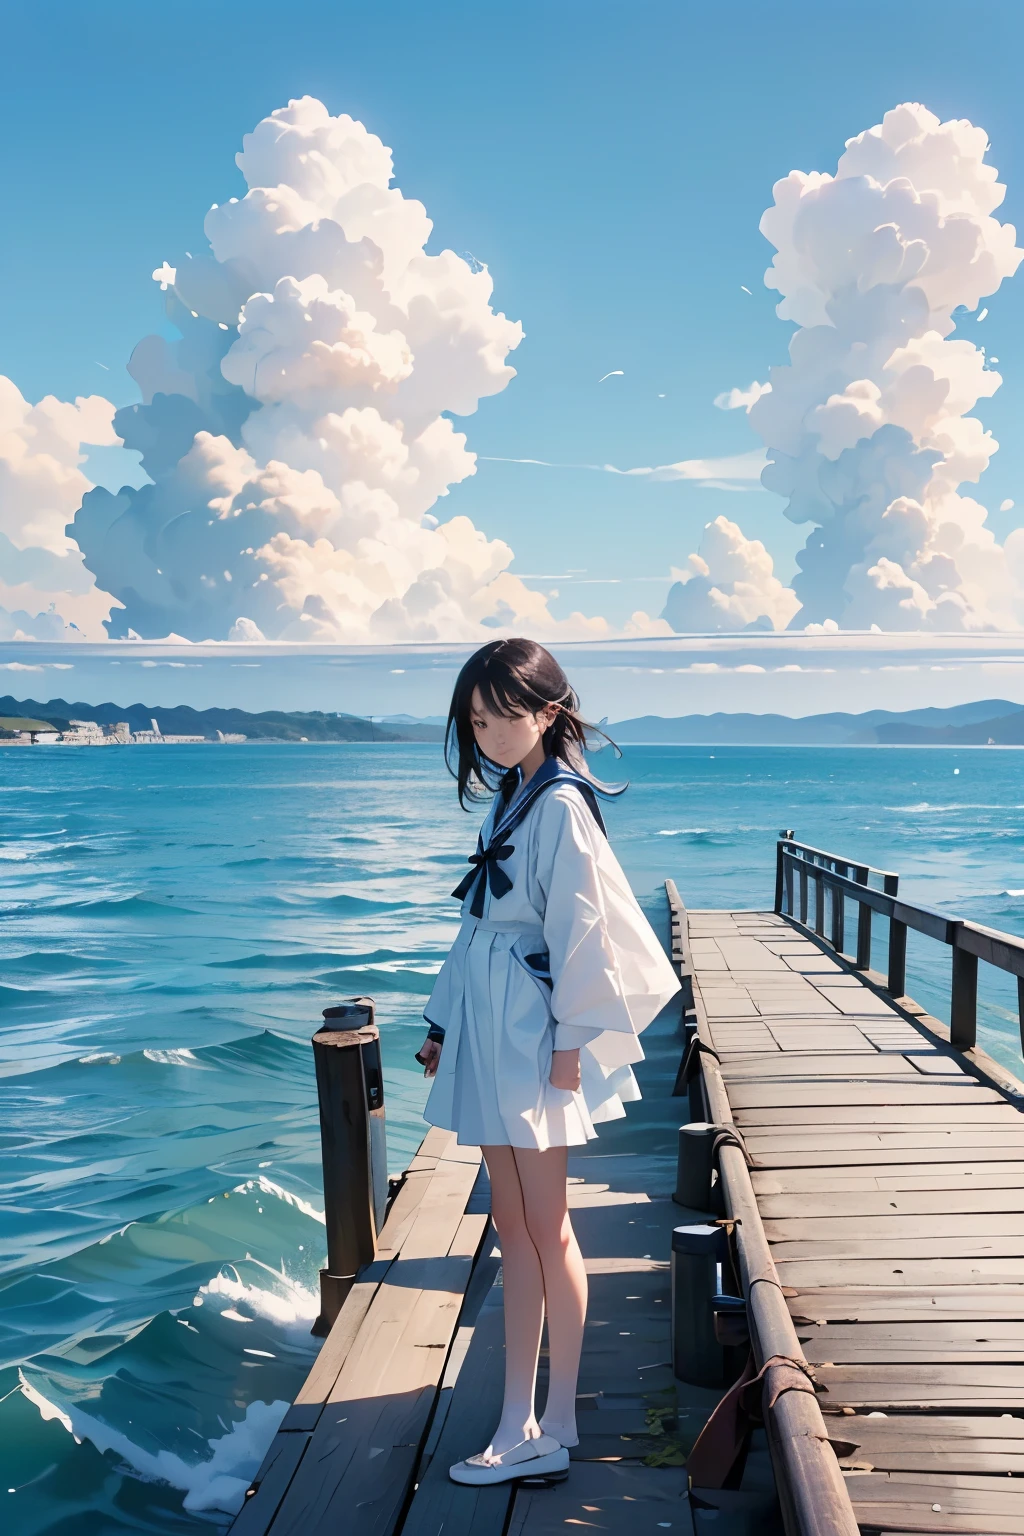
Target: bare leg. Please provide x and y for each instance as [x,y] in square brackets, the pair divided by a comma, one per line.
[542,1179]
[523,1298]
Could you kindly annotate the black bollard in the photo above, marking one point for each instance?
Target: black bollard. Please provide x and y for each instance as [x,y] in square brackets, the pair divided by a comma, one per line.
[694,1166]
[697,1356]
[350,1088]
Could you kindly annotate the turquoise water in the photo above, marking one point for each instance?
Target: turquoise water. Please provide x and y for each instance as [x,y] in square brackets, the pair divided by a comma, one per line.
[174,920]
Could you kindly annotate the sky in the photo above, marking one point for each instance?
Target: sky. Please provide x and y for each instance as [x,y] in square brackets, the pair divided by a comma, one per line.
[609,165]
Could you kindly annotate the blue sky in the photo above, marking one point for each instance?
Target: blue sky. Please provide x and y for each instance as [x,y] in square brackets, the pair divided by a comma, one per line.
[609,163]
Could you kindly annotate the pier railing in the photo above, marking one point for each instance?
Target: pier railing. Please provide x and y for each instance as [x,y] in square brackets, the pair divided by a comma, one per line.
[813,888]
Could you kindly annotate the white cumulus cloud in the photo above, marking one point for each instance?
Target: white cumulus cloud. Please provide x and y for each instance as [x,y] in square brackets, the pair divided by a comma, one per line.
[298,434]
[729,584]
[867,428]
[741,399]
[46,593]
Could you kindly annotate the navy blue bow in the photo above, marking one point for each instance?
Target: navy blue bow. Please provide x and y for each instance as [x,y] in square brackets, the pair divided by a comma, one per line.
[486,871]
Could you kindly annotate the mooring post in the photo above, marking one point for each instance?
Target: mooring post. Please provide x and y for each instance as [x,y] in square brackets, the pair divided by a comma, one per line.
[350,1089]
[694,1165]
[697,1356]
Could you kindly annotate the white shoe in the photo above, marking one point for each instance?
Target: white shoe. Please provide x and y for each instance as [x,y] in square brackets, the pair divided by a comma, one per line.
[543,1457]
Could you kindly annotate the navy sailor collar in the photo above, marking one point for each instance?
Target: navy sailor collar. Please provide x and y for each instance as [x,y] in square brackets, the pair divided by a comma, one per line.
[486,871]
[551,772]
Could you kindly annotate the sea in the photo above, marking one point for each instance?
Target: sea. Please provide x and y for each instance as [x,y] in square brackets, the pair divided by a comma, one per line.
[173,920]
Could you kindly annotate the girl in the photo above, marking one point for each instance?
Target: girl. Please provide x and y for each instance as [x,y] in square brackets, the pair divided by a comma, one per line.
[535,1015]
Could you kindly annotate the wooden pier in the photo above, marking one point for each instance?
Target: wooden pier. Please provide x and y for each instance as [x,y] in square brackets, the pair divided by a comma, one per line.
[869,1173]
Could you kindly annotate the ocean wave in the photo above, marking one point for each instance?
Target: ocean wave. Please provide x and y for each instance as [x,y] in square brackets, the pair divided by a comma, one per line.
[302,960]
[217,1484]
[180,1057]
[343,903]
[284,1302]
[923,807]
[100,906]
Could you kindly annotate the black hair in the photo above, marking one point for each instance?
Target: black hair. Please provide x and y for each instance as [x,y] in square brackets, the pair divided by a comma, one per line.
[514,677]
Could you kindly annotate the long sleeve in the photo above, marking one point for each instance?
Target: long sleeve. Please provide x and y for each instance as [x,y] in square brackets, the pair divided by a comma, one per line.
[592,924]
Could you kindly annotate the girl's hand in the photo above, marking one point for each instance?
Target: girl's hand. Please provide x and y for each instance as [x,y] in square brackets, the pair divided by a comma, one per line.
[565,1070]
[430,1054]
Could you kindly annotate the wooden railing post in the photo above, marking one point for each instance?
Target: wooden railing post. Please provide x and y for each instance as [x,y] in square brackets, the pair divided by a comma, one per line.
[784,836]
[897,983]
[1020,1009]
[803,890]
[963,1008]
[863,961]
[819,900]
[839,912]
[350,1089]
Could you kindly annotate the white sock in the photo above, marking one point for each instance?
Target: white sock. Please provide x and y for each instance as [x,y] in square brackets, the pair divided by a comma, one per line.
[564,1433]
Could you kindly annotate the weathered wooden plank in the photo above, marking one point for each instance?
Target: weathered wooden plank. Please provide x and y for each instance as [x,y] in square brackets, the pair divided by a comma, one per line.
[820,1065]
[363,1452]
[863,1116]
[980,1303]
[892,1132]
[439,1505]
[821,1352]
[799,1037]
[963,1228]
[902,1177]
[890,1202]
[269,1486]
[972,1444]
[605,1497]
[894,1503]
[887,1156]
[815,1274]
[361,1456]
[907,1090]
[996,1332]
[897,1249]
[923,1385]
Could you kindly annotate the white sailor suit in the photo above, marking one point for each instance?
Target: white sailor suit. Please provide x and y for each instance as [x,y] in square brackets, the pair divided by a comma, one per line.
[554,953]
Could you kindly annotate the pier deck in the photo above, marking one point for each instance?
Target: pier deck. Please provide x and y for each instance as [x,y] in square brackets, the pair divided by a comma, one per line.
[870,1176]
[888,1170]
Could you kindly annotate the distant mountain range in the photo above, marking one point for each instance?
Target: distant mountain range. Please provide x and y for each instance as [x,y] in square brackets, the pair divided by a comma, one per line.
[994,721]
[270,725]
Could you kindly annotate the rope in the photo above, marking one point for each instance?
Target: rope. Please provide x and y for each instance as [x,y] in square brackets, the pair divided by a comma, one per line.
[691,1060]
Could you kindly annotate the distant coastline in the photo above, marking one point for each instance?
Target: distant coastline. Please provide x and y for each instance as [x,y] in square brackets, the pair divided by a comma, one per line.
[985,723]
[31,722]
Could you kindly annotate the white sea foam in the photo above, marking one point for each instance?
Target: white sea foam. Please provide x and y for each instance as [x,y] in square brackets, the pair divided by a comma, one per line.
[268,1187]
[218,1483]
[283,1301]
[174,1058]
[685,832]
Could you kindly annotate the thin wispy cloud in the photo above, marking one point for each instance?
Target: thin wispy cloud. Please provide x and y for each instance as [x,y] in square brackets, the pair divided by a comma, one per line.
[738,471]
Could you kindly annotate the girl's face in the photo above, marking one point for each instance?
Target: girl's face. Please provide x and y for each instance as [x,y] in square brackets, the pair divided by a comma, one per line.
[508,739]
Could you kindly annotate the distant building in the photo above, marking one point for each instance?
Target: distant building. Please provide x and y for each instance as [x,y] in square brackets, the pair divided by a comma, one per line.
[181,740]
[227,737]
[83,733]
[121,732]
